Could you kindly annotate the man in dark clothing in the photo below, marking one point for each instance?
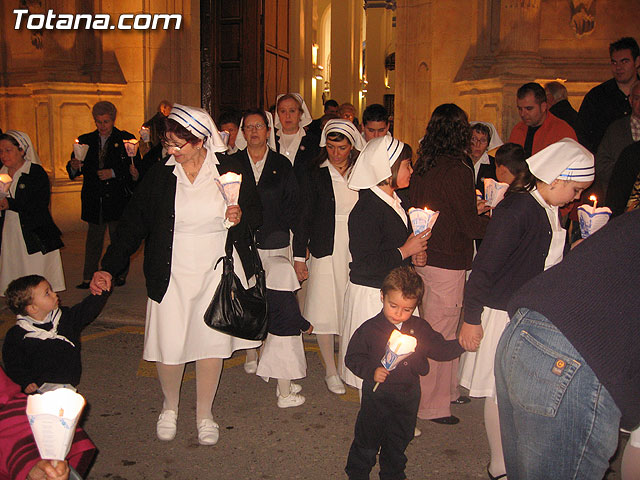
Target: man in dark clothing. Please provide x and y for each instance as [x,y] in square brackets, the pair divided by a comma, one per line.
[558,101]
[315,127]
[610,100]
[566,366]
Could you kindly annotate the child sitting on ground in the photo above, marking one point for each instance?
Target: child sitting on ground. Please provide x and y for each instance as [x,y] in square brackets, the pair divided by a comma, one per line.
[387,416]
[44,345]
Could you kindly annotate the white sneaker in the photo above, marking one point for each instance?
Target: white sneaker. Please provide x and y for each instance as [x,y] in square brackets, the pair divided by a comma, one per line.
[417,432]
[291,400]
[167,425]
[335,385]
[208,432]
[295,388]
[251,367]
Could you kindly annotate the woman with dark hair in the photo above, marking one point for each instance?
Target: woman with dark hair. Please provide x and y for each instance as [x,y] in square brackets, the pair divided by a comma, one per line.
[484,138]
[181,215]
[292,140]
[324,234]
[380,236]
[443,180]
[30,240]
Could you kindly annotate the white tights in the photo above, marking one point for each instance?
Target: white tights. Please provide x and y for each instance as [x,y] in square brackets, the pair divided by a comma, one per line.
[326,346]
[492,425]
[207,378]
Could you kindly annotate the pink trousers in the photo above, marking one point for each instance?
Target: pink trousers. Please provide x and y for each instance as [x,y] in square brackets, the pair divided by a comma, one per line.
[441,307]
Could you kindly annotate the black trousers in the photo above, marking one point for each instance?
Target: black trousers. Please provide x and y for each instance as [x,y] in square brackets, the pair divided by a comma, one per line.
[386,422]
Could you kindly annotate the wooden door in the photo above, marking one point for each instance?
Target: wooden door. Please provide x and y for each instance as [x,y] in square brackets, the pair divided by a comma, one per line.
[276,53]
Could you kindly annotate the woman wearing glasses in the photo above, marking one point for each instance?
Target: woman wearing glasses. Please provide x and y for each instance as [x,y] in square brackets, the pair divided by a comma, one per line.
[182,217]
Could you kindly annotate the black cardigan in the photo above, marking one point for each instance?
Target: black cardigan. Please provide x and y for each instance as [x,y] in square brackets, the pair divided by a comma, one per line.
[318,224]
[368,344]
[592,297]
[150,216]
[376,232]
[104,200]
[513,251]
[307,153]
[29,360]
[280,198]
[285,319]
[31,203]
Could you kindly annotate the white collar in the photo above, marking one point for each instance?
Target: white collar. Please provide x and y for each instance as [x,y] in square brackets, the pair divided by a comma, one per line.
[392,201]
[34,331]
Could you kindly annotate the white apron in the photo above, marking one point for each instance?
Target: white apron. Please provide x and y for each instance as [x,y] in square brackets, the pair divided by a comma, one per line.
[328,276]
[15,261]
[175,330]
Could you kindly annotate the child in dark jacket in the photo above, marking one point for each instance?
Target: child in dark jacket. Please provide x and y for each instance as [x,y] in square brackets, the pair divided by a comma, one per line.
[387,417]
[44,345]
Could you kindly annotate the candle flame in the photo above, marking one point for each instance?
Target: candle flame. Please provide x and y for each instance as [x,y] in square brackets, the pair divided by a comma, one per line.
[593,198]
[5,178]
[77,141]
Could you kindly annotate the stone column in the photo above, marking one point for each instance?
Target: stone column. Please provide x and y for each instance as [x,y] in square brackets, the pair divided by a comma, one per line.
[377,41]
[519,33]
[345,51]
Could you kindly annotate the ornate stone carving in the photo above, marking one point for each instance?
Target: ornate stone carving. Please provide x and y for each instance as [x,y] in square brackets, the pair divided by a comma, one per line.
[583,16]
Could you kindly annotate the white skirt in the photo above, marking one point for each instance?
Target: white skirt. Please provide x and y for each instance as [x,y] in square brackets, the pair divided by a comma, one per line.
[476,368]
[360,304]
[16,262]
[282,357]
[327,284]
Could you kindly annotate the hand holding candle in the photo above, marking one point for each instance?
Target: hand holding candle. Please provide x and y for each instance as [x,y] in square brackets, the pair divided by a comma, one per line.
[399,347]
[5,184]
[494,191]
[80,150]
[229,185]
[592,218]
[131,146]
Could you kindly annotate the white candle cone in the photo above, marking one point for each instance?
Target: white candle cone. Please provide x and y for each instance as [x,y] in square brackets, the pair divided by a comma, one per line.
[5,184]
[131,146]
[494,191]
[592,219]
[80,150]
[229,185]
[399,347]
[145,134]
[53,417]
[422,219]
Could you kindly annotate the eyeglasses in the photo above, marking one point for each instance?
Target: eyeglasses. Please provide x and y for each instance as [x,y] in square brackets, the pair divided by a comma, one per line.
[176,148]
[478,141]
[257,127]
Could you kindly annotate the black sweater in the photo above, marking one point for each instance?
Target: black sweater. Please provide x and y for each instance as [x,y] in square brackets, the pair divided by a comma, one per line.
[592,297]
[279,196]
[285,319]
[150,216]
[31,203]
[513,251]
[368,344]
[376,232]
[30,360]
[308,150]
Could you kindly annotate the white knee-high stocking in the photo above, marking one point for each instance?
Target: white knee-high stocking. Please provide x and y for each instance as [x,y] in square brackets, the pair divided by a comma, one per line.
[207,378]
[170,377]
[326,346]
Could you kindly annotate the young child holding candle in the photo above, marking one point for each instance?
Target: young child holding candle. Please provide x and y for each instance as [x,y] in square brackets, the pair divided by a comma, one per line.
[523,239]
[44,345]
[387,417]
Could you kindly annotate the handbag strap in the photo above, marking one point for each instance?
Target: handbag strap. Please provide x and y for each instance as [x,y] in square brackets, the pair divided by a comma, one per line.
[257,263]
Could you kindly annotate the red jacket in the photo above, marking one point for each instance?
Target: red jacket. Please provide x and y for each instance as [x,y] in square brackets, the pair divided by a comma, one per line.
[551,130]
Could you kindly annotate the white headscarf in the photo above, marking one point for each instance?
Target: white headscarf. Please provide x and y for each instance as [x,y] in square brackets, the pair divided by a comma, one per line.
[26,145]
[241,141]
[374,162]
[305,119]
[494,142]
[563,160]
[346,128]
[198,122]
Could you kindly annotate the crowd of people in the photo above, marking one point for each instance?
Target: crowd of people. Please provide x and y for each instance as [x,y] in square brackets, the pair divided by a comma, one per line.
[325,202]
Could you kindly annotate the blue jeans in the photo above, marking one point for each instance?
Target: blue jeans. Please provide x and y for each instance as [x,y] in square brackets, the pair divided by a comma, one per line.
[556,419]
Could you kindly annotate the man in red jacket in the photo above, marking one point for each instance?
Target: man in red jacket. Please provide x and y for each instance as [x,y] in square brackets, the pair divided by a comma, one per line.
[539,128]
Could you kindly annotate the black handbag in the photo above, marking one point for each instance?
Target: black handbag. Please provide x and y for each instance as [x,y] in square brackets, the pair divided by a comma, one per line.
[235,310]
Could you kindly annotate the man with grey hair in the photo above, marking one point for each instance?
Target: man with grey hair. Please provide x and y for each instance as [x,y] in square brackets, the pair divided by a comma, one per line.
[558,101]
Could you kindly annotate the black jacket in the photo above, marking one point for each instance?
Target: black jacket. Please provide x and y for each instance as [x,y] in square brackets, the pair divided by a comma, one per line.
[307,153]
[31,203]
[513,251]
[624,176]
[104,200]
[566,112]
[318,224]
[376,232]
[280,198]
[285,319]
[150,216]
[368,344]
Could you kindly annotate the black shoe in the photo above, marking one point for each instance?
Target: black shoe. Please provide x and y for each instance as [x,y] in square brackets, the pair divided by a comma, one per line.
[119,282]
[491,477]
[462,399]
[450,420]
[84,285]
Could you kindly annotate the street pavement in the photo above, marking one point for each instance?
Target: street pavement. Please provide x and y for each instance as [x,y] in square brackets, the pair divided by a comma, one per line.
[258,440]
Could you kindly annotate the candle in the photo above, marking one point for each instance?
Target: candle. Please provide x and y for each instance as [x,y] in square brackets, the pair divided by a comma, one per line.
[422,219]
[131,146]
[399,347]
[145,134]
[595,201]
